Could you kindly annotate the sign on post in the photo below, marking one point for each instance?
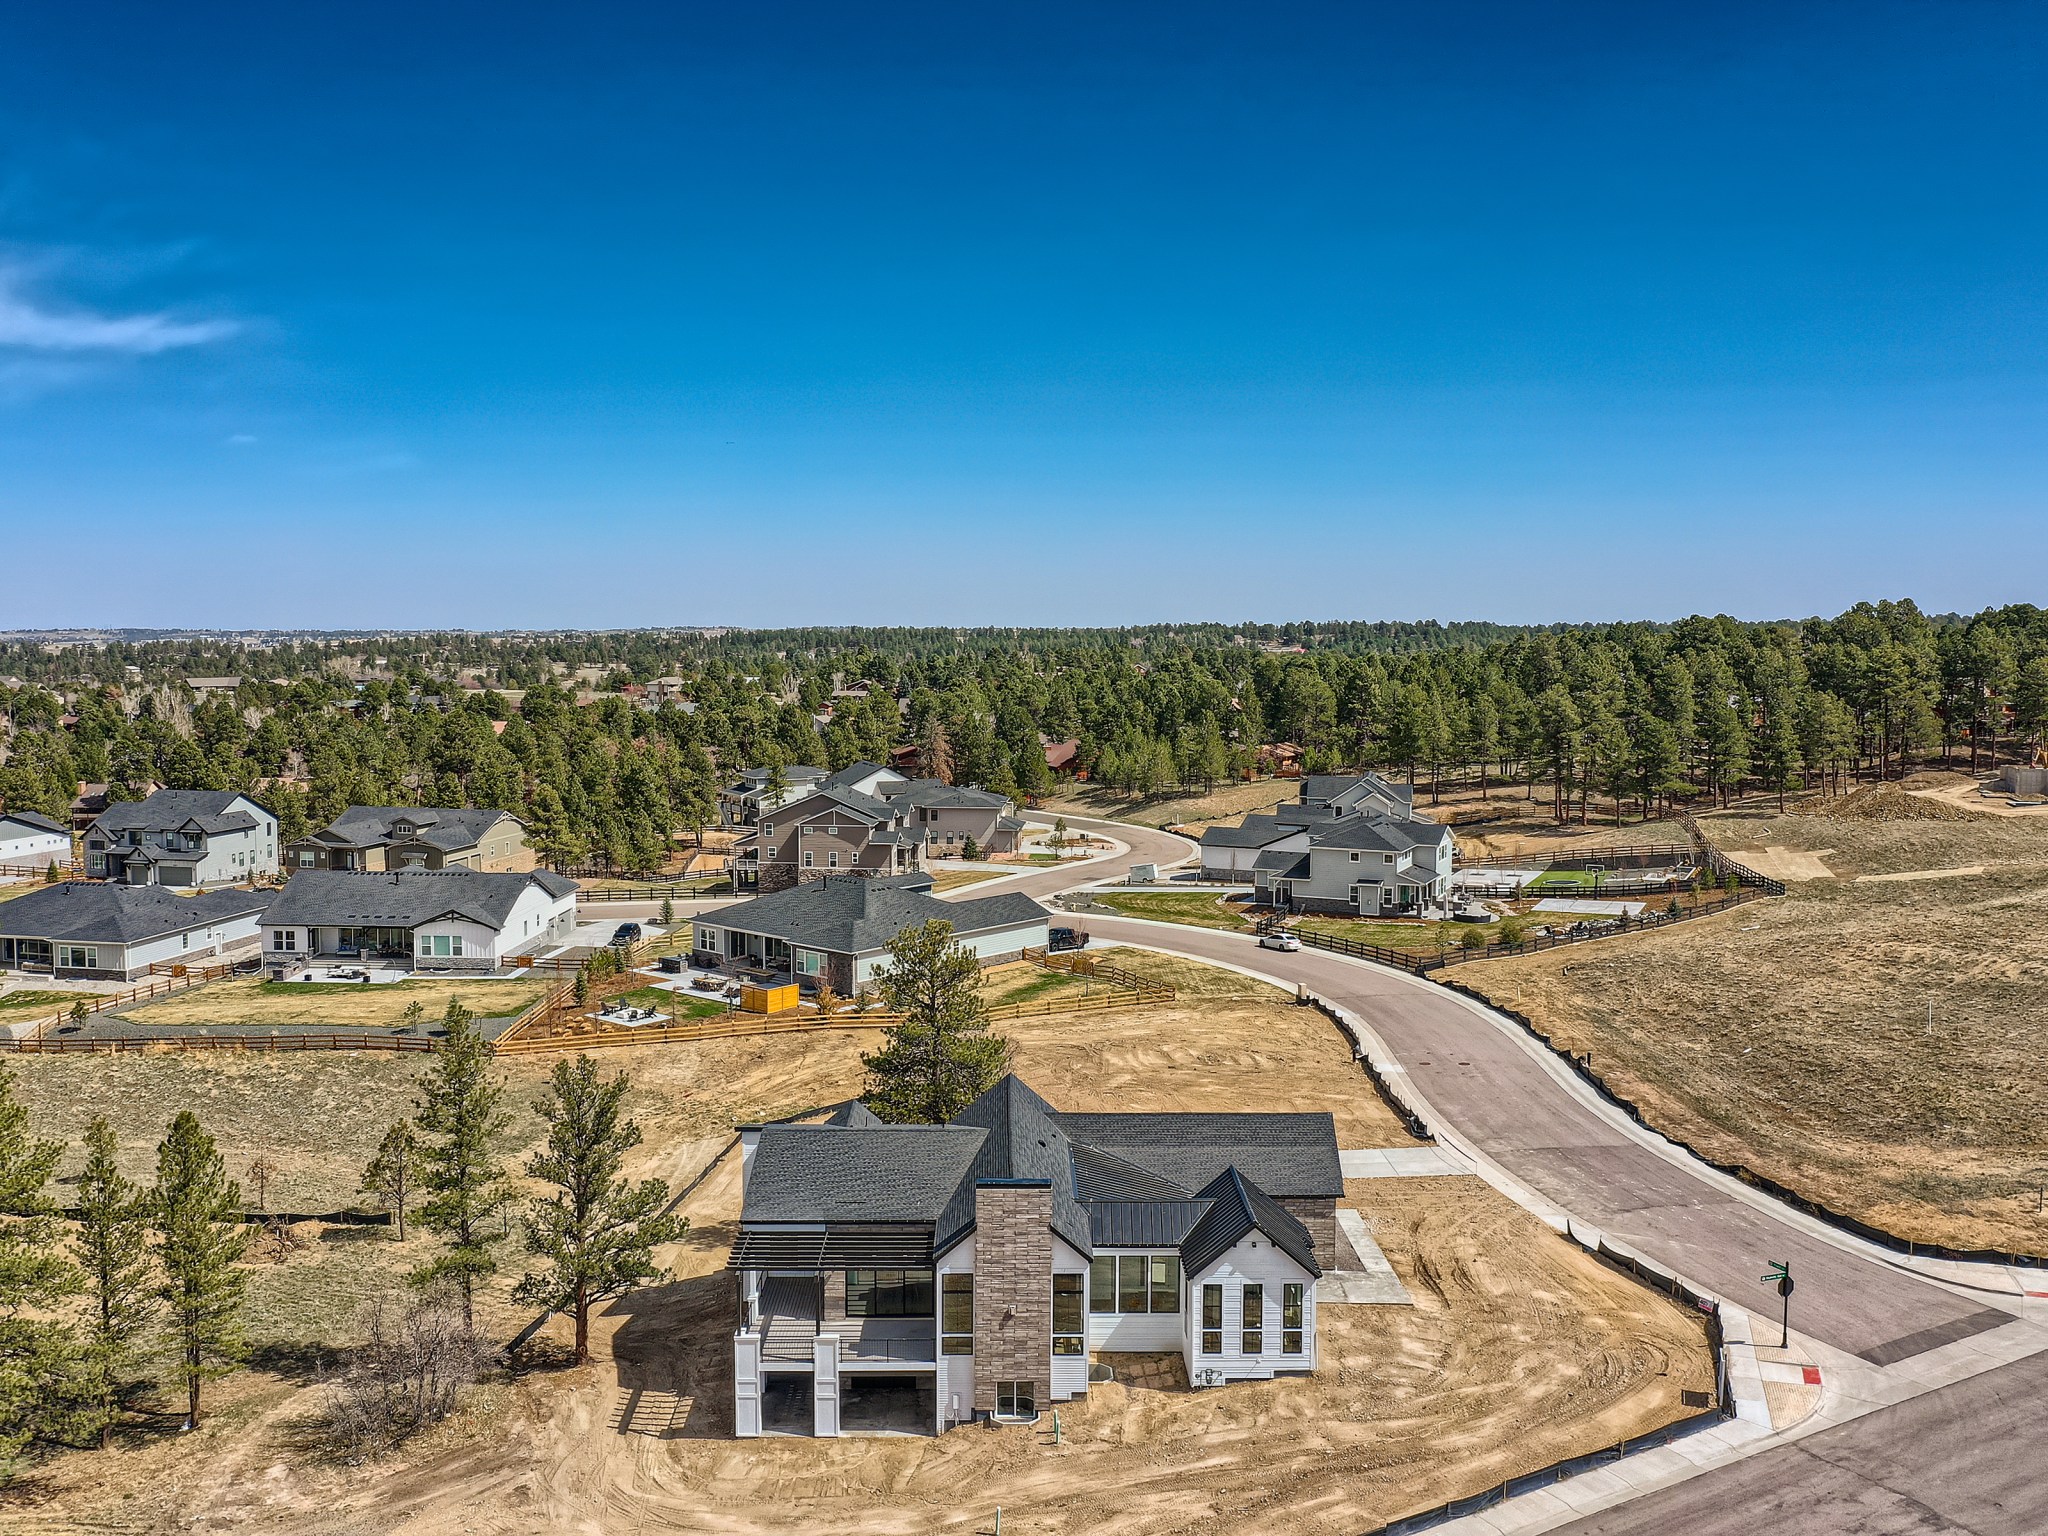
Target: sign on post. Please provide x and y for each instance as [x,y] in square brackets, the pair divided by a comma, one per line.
[1781,1276]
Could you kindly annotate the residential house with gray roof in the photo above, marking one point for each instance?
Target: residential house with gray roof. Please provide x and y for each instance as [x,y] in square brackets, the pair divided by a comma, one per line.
[381,837]
[114,932]
[912,1276]
[30,841]
[422,919]
[832,831]
[952,815]
[836,931]
[1365,864]
[183,837]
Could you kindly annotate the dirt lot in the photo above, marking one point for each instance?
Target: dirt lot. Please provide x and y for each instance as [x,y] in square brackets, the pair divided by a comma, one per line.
[1796,1036]
[341,1005]
[1226,803]
[1518,1350]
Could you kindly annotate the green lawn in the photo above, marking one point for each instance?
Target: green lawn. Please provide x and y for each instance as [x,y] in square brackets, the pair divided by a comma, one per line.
[1566,880]
[685,1006]
[1197,909]
[1409,938]
[38,1002]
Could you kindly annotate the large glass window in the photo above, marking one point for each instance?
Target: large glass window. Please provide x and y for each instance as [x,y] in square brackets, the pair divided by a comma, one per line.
[1290,1320]
[956,1315]
[1069,1322]
[1016,1399]
[1254,1320]
[1212,1319]
[1132,1288]
[888,1293]
[1165,1283]
[1102,1284]
[1134,1282]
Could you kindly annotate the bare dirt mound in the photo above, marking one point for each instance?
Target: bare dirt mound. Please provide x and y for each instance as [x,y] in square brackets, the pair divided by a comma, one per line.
[1888,802]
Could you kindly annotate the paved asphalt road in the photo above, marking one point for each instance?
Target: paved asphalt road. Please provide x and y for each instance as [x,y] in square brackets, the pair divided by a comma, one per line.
[1955,1462]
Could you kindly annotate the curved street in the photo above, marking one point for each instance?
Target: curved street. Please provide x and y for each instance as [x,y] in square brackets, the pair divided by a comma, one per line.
[1934,1461]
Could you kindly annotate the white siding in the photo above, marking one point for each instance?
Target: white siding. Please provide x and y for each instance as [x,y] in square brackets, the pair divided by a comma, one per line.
[21,846]
[1254,1260]
[1070,1372]
[956,1372]
[1137,1332]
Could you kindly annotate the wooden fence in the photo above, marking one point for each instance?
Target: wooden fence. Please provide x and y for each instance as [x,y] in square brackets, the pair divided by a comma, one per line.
[102,1002]
[366,1040]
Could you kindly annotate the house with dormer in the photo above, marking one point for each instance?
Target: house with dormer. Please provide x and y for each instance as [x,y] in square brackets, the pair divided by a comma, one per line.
[380,837]
[183,837]
[927,1276]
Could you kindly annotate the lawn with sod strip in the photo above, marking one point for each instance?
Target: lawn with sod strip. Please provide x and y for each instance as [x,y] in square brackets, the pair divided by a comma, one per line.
[1566,880]
[40,1002]
[1414,938]
[1197,909]
[340,1005]
[682,1004]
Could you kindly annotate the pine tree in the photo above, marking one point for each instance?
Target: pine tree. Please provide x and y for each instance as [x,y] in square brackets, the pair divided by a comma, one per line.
[43,1391]
[394,1173]
[458,1117]
[196,1209]
[596,1231]
[113,1251]
[939,1057]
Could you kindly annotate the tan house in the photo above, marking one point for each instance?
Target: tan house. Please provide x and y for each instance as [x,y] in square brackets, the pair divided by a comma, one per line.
[381,837]
[829,832]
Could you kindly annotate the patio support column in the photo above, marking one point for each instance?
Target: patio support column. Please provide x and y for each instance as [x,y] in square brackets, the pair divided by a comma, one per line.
[825,1386]
[746,1385]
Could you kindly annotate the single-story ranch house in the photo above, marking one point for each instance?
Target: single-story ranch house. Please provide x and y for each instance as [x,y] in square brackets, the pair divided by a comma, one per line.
[184,837]
[31,841]
[972,1268]
[117,932]
[837,930]
[426,919]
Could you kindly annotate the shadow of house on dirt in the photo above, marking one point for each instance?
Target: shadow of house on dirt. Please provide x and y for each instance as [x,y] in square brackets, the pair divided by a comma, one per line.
[673,1352]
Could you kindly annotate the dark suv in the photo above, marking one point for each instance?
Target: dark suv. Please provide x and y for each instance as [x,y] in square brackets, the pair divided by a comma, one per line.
[625,936]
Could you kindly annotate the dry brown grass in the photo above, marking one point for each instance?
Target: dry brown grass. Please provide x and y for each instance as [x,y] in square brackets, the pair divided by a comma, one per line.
[1519,1350]
[1226,803]
[1795,1035]
[244,1000]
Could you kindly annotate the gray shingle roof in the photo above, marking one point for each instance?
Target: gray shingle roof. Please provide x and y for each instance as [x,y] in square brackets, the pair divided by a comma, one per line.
[853,773]
[849,915]
[1292,1155]
[1283,864]
[1382,834]
[369,826]
[1137,1181]
[1254,832]
[1238,1208]
[169,809]
[403,898]
[32,820]
[834,1173]
[88,912]
[937,794]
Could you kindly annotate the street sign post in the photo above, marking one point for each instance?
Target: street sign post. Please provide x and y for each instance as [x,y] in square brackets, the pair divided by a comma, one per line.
[1781,1276]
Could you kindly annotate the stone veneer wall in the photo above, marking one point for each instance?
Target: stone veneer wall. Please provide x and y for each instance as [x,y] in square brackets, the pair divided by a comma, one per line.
[1012,1290]
[1320,1217]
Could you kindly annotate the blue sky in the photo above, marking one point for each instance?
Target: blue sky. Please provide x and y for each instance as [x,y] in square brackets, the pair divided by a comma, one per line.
[493,315]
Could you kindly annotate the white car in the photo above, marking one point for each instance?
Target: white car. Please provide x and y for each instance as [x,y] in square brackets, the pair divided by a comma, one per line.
[1279,938]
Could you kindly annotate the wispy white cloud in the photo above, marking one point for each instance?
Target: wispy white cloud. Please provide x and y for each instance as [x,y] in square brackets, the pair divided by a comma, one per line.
[35,326]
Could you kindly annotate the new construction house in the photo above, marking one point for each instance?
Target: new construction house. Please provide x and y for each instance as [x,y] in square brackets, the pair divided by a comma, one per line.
[864,819]
[92,928]
[417,919]
[183,837]
[380,837]
[1352,844]
[835,932]
[908,1277]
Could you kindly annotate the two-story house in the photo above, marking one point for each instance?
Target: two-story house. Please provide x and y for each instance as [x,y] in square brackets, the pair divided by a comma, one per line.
[741,802]
[1365,864]
[380,837]
[183,837]
[831,831]
[953,814]
[920,1277]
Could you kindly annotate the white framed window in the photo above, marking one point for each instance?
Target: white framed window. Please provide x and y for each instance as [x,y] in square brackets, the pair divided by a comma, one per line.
[809,962]
[305,859]
[807,858]
[284,939]
[832,858]
[78,957]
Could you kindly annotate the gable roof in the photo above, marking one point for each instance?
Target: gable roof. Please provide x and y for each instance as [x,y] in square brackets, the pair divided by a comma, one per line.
[851,915]
[1382,834]
[1152,1181]
[94,912]
[853,773]
[215,810]
[404,898]
[864,807]
[33,821]
[449,828]
[1292,1154]
[937,794]
[1238,1208]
